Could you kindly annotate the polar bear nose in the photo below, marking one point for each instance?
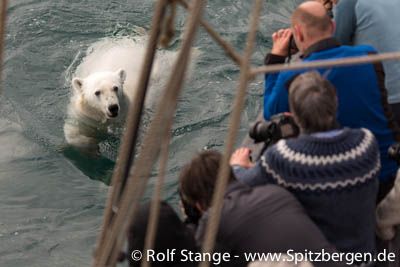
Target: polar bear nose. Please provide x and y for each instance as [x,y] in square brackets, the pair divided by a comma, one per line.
[113,110]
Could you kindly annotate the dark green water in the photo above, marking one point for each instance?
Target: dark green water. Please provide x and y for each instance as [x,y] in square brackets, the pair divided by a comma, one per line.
[51,197]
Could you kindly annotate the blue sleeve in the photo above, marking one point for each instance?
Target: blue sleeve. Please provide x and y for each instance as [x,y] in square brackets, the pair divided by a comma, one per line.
[346,21]
[252,176]
[275,95]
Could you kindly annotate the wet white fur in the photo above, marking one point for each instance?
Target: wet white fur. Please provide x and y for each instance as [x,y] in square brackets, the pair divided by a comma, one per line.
[110,63]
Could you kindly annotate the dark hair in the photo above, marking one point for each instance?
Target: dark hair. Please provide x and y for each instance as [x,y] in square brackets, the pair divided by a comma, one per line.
[315,24]
[313,102]
[197,178]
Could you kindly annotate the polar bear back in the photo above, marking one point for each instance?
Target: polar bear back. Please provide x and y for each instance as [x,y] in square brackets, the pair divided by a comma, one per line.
[110,55]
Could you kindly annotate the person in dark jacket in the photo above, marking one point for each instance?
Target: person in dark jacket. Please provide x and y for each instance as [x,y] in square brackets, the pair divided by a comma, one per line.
[172,237]
[362,96]
[262,219]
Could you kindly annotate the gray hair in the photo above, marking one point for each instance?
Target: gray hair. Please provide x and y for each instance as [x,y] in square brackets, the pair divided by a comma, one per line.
[313,102]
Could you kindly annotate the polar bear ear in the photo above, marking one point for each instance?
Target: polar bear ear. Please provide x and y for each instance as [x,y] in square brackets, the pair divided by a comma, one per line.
[122,75]
[77,84]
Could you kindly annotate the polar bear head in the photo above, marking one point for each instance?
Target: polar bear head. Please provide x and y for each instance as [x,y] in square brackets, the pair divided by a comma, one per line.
[100,94]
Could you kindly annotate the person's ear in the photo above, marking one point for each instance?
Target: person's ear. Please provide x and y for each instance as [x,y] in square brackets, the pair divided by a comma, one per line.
[333,26]
[299,33]
[296,120]
[199,207]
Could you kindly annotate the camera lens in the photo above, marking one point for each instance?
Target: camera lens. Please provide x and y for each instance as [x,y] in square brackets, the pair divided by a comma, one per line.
[259,131]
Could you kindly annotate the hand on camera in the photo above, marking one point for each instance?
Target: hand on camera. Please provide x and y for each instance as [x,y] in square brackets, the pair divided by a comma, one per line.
[281,40]
[241,157]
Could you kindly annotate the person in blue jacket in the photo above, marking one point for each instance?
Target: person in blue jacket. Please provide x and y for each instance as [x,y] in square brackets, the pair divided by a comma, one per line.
[362,96]
[375,23]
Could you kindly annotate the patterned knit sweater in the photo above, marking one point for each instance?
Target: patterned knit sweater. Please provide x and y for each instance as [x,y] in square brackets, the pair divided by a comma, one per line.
[334,177]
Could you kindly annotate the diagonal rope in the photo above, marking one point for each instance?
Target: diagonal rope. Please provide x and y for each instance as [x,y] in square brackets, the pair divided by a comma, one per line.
[138,179]
[155,205]
[224,170]
[228,49]
[3,22]
[126,155]
[326,63]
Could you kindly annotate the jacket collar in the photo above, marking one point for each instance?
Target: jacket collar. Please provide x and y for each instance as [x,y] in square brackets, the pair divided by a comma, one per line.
[327,43]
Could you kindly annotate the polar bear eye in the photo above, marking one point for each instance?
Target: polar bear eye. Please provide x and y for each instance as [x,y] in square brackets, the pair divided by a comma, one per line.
[115,88]
[97,93]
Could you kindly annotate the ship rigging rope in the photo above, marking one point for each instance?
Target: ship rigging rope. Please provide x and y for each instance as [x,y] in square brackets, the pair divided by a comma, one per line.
[155,204]
[127,149]
[224,169]
[3,22]
[136,184]
[228,49]
[326,63]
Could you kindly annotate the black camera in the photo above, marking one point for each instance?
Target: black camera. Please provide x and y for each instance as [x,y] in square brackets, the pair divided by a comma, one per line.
[292,45]
[394,152]
[292,48]
[281,126]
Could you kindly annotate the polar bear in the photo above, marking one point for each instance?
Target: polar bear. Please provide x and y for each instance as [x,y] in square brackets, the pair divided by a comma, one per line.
[95,106]
[104,86]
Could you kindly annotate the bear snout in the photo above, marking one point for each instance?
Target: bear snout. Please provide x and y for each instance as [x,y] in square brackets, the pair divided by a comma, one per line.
[113,109]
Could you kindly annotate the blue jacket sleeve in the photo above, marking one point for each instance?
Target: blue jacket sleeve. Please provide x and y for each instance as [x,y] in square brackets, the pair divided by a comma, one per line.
[275,95]
[345,19]
[270,81]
